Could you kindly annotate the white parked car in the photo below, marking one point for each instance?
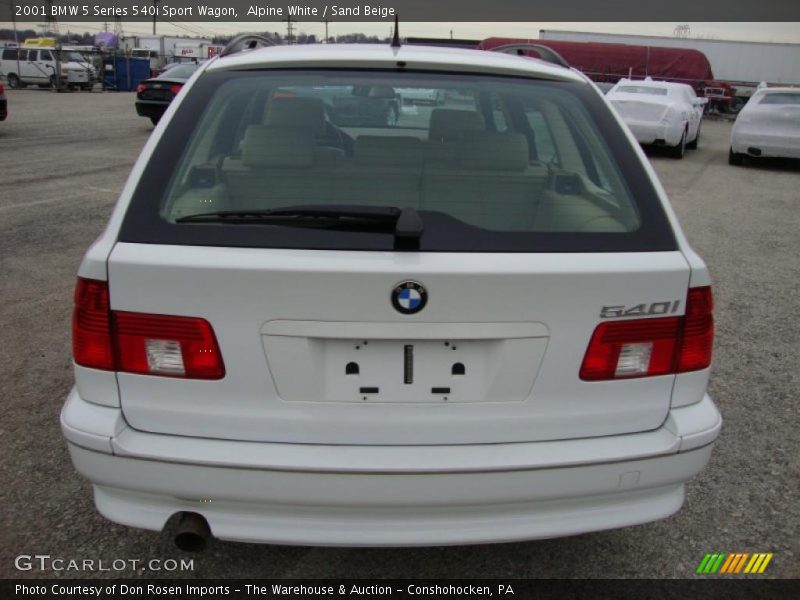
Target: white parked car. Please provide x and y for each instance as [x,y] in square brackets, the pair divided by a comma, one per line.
[430,96]
[767,126]
[485,326]
[660,112]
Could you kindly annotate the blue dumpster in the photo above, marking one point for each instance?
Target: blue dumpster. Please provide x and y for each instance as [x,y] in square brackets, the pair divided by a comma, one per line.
[124,73]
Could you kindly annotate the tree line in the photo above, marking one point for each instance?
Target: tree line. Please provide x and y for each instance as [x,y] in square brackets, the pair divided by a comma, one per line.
[87,39]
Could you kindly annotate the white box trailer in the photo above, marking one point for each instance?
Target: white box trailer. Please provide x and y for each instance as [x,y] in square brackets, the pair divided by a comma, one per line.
[166,48]
[743,64]
[196,51]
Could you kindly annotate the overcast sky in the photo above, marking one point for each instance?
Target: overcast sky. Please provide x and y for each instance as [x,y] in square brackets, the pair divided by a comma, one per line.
[760,32]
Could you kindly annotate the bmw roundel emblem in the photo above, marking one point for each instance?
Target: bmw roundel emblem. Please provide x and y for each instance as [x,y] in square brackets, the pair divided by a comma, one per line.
[409,297]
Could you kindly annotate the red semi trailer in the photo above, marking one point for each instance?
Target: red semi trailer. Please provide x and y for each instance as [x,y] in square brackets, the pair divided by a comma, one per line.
[611,62]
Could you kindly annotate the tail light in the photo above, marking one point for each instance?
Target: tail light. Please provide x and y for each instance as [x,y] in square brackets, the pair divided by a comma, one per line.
[175,88]
[140,343]
[2,89]
[658,346]
[141,88]
[91,326]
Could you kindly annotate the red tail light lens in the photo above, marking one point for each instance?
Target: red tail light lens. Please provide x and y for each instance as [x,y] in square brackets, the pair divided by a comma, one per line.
[165,345]
[648,347]
[698,331]
[175,88]
[140,88]
[140,343]
[91,326]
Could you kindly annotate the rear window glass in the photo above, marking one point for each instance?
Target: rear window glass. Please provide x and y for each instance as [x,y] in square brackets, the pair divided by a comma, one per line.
[180,72]
[489,163]
[781,98]
[643,89]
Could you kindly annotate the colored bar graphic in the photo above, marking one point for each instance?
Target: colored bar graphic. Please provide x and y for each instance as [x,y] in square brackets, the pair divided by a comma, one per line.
[765,563]
[718,564]
[741,562]
[703,563]
[734,563]
[754,563]
[727,564]
[733,559]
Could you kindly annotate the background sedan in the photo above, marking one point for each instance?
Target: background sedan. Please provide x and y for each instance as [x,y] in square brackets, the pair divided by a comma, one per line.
[154,95]
[768,125]
[661,113]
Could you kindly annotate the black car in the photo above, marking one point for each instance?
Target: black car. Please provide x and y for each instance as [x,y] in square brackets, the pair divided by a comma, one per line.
[154,95]
[3,104]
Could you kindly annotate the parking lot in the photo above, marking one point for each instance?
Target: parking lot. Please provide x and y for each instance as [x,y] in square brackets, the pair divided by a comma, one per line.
[65,157]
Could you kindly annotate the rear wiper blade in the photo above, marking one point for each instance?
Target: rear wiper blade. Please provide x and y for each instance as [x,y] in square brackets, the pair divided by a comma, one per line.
[382,214]
[404,223]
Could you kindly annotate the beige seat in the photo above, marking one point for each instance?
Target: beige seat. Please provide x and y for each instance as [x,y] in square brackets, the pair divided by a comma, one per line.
[490,184]
[296,112]
[446,127]
[385,170]
[280,165]
[448,124]
[305,113]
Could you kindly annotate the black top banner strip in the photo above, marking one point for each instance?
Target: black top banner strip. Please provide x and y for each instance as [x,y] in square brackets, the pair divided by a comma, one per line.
[254,11]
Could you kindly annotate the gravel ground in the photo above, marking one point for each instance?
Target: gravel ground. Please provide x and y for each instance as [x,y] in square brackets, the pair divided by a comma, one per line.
[66,156]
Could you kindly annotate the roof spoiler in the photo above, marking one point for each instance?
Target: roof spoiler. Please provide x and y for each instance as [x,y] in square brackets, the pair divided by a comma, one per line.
[245,42]
[545,53]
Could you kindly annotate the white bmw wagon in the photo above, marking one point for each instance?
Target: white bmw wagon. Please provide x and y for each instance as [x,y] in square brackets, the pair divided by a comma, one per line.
[322,316]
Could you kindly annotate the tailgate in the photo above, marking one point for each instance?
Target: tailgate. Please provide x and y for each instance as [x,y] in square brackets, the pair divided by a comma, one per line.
[315,352]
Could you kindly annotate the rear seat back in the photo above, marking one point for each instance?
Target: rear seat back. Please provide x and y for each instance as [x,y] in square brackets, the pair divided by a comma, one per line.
[386,171]
[281,165]
[448,124]
[486,180]
[488,184]
[445,129]
[300,113]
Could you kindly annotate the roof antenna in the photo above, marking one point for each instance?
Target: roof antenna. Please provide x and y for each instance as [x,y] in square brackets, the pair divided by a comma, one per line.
[396,38]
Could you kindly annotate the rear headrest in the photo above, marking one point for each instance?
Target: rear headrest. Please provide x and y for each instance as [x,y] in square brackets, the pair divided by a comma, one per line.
[388,151]
[297,112]
[492,151]
[268,146]
[447,124]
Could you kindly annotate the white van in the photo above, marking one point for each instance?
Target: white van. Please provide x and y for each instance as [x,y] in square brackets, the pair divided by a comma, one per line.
[37,66]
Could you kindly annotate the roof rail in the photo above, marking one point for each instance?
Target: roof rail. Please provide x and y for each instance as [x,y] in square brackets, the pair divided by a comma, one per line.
[245,42]
[545,53]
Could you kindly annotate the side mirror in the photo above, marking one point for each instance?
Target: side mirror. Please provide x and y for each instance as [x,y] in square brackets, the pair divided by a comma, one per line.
[699,101]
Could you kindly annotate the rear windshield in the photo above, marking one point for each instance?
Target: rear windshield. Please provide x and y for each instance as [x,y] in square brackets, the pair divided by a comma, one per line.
[781,98]
[643,89]
[179,72]
[491,164]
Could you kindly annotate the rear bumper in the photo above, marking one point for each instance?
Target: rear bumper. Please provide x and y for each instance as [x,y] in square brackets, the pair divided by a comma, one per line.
[388,495]
[776,146]
[647,132]
[151,108]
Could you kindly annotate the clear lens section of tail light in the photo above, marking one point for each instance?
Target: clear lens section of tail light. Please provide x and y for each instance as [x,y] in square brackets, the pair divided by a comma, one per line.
[164,356]
[634,359]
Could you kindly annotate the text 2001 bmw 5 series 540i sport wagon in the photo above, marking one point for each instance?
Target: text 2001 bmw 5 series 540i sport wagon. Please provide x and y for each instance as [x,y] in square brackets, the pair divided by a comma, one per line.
[476,322]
